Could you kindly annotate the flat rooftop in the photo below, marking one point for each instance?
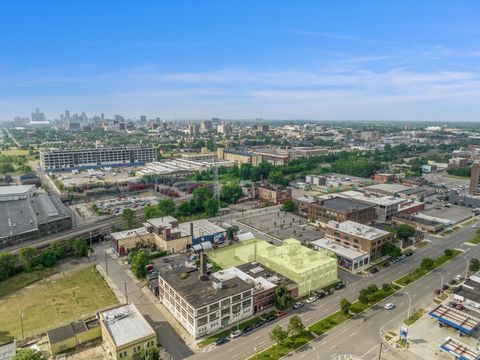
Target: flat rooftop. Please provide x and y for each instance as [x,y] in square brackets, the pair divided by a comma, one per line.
[338,248]
[201,228]
[344,204]
[196,292]
[377,200]
[165,221]
[471,289]
[356,229]
[389,189]
[125,324]
[120,235]
[15,189]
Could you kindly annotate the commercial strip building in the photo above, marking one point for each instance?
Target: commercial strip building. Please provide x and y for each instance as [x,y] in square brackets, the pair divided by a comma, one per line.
[354,244]
[72,335]
[308,268]
[125,332]
[469,293]
[69,159]
[28,214]
[429,224]
[338,208]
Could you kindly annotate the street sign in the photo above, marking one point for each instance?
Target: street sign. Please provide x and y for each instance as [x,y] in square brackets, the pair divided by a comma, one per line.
[403,333]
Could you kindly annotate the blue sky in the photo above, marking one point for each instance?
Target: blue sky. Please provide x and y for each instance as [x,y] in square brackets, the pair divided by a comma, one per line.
[336,60]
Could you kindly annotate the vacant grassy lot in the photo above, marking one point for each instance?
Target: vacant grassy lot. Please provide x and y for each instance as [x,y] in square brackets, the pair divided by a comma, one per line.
[21,280]
[57,300]
[14,152]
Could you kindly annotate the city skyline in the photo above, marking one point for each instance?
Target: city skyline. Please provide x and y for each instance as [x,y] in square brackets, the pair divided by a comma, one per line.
[187,60]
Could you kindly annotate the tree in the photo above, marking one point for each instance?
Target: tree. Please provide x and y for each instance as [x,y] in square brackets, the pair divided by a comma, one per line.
[289,206]
[150,354]
[345,306]
[48,258]
[278,335]
[184,209]
[295,325]
[26,256]
[474,265]
[58,249]
[386,287]
[200,196]
[427,264]
[231,192]
[129,216]
[7,265]
[283,298]
[6,168]
[166,207]
[391,250]
[79,247]
[139,262]
[363,297]
[276,177]
[448,252]
[405,232]
[232,231]
[28,354]
[212,206]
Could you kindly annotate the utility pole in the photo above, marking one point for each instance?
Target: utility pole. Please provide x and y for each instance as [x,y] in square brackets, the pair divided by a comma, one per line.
[91,249]
[106,262]
[21,322]
[126,293]
[380,351]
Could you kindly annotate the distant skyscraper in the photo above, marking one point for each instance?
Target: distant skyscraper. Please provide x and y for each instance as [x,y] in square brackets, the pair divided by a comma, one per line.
[224,128]
[67,115]
[143,118]
[475,179]
[206,125]
[38,116]
[193,129]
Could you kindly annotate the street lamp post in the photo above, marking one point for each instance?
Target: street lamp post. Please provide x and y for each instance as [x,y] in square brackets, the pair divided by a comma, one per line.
[409,304]
[468,264]
[441,285]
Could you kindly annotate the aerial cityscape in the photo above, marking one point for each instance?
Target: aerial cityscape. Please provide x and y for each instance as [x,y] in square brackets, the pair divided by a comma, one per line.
[239,180]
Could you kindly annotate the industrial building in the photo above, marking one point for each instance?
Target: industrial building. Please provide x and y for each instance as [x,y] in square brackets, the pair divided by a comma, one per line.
[200,302]
[125,333]
[274,194]
[204,231]
[341,209]
[72,335]
[239,156]
[68,159]
[464,199]
[27,214]
[421,222]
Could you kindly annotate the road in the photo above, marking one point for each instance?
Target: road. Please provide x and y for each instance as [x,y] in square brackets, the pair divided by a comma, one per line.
[421,290]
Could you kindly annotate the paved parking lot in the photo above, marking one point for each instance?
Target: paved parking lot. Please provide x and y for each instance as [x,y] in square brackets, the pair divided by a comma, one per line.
[284,225]
[454,213]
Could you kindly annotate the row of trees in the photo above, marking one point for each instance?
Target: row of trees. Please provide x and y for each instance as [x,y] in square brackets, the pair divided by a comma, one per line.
[30,259]
[295,327]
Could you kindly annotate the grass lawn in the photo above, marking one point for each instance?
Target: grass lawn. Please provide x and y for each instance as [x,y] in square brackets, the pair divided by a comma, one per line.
[278,351]
[55,301]
[324,325]
[414,317]
[14,152]
[475,240]
[21,280]
[418,273]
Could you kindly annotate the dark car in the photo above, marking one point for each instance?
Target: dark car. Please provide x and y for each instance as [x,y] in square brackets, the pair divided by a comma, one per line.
[248,329]
[259,323]
[452,304]
[339,286]
[320,295]
[387,264]
[437,291]
[409,253]
[373,270]
[445,287]
[220,341]
[459,307]
[270,318]
[452,281]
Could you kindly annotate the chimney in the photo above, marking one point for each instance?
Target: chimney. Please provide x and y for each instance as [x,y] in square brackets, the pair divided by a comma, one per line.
[203,266]
[191,230]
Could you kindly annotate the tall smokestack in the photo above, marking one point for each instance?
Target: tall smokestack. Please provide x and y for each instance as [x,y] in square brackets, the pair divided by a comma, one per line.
[191,230]
[203,266]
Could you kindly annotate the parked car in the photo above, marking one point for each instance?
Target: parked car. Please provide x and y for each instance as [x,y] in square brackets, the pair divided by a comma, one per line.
[373,270]
[389,306]
[459,277]
[452,304]
[437,291]
[280,313]
[452,281]
[221,341]
[235,334]
[409,253]
[270,318]
[321,294]
[311,299]
[474,226]
[459,307]
[259,323]
[298,305]
[248,329]
[445,287]
[339,286]
[387,264]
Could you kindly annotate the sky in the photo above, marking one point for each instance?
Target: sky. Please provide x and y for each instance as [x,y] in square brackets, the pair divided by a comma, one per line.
[315,60]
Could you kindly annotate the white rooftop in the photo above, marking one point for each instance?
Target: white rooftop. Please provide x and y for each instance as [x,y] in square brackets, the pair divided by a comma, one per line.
[394,188]
[356,229]
[165,221]
[377,200]
[15,189]
[339,249]
[125,324]
[129,233]
[260,283]
[201,228]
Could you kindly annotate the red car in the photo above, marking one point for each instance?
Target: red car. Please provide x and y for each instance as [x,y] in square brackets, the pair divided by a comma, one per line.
[437,291]
[280,313]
